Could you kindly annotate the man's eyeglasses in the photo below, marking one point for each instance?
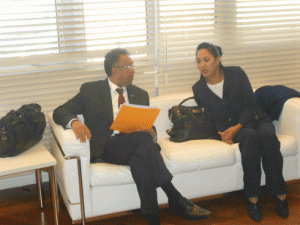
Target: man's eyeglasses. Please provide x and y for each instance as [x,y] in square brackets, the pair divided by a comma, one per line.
[131,67]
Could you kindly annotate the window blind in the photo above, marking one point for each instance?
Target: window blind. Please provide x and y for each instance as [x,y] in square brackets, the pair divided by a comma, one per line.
[50,47]
[182,23]
[269,40]
[261,36]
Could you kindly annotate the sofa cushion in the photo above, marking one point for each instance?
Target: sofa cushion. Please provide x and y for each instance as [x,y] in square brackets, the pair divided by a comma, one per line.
[179,158]
[183,157]
[106,174]
[196,155]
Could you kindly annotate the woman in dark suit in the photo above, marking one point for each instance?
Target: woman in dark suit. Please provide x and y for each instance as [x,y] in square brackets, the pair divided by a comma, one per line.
[228,96]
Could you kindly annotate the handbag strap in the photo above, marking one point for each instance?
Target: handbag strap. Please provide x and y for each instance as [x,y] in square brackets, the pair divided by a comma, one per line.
[186,100]
[202,109]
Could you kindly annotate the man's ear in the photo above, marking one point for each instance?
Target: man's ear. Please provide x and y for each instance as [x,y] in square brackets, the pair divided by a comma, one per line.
[114,70]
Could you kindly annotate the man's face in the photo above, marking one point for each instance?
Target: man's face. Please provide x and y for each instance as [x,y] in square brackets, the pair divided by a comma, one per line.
[123,75]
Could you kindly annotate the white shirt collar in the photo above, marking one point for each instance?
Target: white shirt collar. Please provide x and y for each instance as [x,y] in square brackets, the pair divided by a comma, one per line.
[113,91]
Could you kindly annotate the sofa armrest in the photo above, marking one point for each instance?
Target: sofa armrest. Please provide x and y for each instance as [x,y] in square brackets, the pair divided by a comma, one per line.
[67,140]
[71,156]
[289,120]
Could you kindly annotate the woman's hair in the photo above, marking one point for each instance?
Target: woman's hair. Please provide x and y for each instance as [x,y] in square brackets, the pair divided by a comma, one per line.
[112,57]
[215,50]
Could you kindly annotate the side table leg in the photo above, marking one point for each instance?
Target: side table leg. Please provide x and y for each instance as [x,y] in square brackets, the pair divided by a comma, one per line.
[39,187]
[54,194]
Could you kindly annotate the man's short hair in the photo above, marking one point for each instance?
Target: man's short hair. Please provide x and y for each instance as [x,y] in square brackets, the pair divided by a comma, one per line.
[112,57]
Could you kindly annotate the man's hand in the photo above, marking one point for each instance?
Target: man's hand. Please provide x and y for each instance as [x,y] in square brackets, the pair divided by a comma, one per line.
[81,131]
[150,131]
[229,134]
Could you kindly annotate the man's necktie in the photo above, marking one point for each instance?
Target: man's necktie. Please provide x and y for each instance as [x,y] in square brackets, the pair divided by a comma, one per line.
[121,98]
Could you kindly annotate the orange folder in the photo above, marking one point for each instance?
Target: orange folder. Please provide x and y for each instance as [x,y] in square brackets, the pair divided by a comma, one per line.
[134,117]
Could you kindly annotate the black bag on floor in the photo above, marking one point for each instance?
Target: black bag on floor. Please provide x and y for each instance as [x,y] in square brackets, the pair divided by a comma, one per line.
[190,123]
[21,129]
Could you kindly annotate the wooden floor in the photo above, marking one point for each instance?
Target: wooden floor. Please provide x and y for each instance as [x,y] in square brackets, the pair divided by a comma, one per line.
[20,206]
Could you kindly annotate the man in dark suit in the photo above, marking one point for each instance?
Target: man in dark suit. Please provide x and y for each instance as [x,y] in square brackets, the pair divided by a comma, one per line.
[99,102]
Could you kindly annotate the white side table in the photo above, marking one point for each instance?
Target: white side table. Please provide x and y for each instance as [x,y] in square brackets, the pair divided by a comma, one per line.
[36,158]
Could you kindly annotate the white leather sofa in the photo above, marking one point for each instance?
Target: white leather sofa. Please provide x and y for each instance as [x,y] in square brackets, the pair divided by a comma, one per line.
[200,167]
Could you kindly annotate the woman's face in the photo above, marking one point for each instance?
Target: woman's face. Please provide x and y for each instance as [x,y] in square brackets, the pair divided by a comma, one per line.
[207,64]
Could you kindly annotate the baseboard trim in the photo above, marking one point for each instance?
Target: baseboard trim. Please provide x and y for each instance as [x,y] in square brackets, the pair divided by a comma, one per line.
[21,179]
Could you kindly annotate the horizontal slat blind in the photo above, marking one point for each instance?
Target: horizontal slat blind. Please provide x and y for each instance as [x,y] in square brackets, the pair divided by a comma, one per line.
[269,33]
[49,48]
[262,36]
[182,25]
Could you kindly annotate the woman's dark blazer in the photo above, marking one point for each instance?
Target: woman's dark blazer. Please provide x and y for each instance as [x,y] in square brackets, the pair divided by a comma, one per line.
[238,103]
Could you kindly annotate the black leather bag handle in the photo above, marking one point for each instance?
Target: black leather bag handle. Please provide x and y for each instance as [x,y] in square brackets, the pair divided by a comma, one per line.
[186,100]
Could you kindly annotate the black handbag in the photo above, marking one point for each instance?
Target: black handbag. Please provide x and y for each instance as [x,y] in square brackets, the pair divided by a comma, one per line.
[21,129]
[190,123]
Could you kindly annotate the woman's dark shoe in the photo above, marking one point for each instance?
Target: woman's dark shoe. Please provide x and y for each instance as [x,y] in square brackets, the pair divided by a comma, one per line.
[254,211]
[282,208]
[188,210]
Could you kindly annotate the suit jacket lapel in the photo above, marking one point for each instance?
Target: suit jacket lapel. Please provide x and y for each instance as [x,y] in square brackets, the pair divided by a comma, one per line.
[132,98]
[106,96]
[228,83]
[207,94]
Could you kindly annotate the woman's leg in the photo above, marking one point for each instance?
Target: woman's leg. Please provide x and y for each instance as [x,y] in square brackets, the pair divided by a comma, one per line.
[251,154]
[272,159]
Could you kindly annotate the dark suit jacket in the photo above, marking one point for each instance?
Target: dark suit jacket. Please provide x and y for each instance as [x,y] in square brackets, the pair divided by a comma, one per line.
[95,103]
[238,103]
[272,98]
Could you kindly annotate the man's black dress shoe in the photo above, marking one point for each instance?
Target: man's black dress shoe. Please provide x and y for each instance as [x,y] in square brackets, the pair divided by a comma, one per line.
[254,211]
[282,208]
[188,210]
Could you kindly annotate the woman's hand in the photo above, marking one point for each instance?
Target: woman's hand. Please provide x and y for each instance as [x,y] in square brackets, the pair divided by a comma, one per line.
[229,134]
